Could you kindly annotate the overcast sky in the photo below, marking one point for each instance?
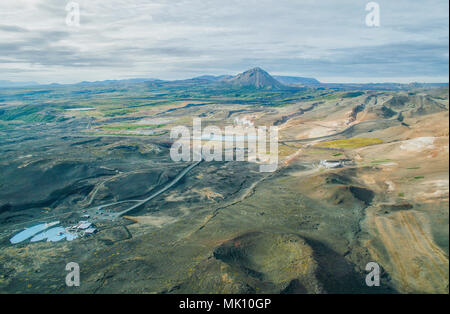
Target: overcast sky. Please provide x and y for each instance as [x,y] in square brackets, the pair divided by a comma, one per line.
[171,39]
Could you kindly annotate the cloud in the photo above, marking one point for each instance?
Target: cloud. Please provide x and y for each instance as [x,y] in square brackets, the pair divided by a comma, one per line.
[184,38]
[12,29]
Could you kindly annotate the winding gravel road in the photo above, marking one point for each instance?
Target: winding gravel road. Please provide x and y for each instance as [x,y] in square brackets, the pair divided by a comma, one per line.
[99,213]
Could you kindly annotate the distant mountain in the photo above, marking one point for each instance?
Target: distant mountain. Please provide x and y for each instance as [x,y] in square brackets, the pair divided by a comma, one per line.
[106,82]
[256,78]
[381,86]
[17,84]
[288,80]
[213,78]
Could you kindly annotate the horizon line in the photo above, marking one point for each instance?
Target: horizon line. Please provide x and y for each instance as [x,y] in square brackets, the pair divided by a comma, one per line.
[149,79]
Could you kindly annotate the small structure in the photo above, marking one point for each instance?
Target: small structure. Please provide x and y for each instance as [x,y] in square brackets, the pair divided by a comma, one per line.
[330,164]
[90,231]
[82,225]
[335,163]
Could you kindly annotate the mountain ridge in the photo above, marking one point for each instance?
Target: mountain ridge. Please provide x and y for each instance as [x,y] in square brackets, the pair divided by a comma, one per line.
[287,80]
[6,83]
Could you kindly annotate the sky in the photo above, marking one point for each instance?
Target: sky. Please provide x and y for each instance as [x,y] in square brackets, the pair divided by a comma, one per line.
[178,39]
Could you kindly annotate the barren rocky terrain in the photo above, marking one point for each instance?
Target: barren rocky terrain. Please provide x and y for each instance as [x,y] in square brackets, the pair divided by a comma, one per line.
[362,177]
